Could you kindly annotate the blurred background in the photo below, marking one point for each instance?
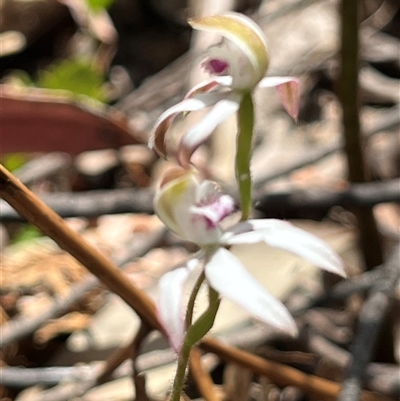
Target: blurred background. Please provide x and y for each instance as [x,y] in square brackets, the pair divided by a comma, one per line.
[82,83]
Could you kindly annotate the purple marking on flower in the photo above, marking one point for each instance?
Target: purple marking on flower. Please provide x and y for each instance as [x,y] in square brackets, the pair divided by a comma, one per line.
[213,209]
[215,66]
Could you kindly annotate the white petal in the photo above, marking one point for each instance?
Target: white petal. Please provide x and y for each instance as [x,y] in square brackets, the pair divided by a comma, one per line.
[227,105]
[270,82]
[169,306]
[227,275]
[199,102]
[208,85]
[284,235]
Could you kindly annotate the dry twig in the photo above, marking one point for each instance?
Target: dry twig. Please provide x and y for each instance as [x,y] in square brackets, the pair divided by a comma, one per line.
[35,211]
[370,321]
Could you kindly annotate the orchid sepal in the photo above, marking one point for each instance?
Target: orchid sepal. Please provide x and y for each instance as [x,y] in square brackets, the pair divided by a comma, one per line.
[288,89]
[284,235]
[230,278]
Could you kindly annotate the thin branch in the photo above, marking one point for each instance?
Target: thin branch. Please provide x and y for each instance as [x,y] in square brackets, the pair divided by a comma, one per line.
[343,290]
[201,376]
[291,203]
[43,167]
[281,374]
[91,204]
[139,381]
[66,392]
[380,377]
[370,321]
[96,203]
[17,329]
[37,213]
[350,100]
[390,120]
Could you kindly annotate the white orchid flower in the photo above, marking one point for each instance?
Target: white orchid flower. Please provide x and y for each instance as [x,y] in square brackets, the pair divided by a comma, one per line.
[194,210]
[237,66]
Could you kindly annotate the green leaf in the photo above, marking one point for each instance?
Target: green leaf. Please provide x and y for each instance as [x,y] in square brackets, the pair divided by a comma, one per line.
[97,5]
[13,161]
[243,153]
[19,77]
[205,322]
[27,233]
[77,76]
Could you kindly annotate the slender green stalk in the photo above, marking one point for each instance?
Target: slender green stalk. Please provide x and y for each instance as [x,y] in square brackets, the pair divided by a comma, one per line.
[195,332]
[243,153]
[183,360]
[180,375]
[192,299]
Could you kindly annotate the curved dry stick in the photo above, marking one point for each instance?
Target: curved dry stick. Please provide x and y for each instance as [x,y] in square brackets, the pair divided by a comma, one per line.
[366,194]
[281,374]
[17,329]
[91,203]
[37,213]
[201,376]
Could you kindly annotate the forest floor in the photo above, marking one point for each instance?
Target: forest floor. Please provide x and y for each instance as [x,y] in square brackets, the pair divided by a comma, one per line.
[64,334]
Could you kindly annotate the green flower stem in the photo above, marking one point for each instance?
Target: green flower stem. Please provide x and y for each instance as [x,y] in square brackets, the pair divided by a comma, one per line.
[192,299]
[243,153]
[180,375]
[194,333]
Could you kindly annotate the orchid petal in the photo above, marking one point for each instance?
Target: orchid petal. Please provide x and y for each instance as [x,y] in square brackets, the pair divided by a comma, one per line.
[163,123]
[288,91]
[284,235]
[244,33]
[228,276]
[208,85]
[197,135]
[170,305]
[172,200]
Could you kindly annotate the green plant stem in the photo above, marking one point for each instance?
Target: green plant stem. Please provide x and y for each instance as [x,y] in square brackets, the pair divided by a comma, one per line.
[243,153]
[194,333]
[185,352]
[192,299]
[180,375]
